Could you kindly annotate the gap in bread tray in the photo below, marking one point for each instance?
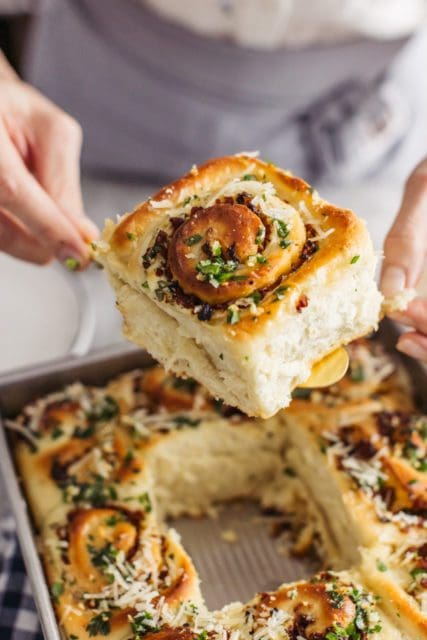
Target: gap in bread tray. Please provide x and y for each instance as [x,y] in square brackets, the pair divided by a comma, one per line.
[241,551]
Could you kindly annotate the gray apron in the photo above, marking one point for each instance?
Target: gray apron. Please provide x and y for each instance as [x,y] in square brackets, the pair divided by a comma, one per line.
[153,97]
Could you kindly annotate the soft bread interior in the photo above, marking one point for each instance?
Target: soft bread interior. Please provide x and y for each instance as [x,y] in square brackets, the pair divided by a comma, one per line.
[259,373]
[220,467]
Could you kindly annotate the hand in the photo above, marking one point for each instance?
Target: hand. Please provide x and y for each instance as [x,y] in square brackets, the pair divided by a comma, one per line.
[41,208]
[405,252]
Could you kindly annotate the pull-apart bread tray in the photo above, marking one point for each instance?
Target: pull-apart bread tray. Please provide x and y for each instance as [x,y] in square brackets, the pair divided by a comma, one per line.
[108,454]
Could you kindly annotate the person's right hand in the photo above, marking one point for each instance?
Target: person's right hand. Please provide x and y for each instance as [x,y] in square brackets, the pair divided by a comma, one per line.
[41,208]
[405,258]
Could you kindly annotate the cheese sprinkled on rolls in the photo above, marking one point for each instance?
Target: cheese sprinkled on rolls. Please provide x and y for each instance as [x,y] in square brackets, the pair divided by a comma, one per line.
[343,471]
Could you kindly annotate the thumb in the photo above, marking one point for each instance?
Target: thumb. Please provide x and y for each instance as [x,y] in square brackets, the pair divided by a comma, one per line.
[405,246]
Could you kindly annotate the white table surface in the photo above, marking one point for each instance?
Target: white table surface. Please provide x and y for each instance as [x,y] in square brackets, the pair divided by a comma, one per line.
[40,305]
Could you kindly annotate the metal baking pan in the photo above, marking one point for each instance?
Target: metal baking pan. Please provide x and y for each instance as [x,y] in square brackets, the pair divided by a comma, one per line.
[230,571]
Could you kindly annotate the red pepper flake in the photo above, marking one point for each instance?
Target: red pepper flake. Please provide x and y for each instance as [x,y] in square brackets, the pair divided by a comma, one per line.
[302,303]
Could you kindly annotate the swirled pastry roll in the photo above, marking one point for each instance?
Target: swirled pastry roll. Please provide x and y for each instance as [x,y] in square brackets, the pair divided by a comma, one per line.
[399,576]
[329,606]
[368,475]
[67,435]
[241,276]
[93,556]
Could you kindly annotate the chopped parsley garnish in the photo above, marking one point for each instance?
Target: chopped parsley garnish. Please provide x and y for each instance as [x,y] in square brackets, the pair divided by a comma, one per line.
[249,176]
[130,235]
[260,236]
[289,471]
[415,455]
[336,598]
[145,285]
[282,228]
[96,493]
[216,270]
[99,624]
[417,571]
[105,410]
[185,421]
[84,432]
[284,244]
[104,556]
[357,373]
[128,458]
[354,259]
[359,627]
[186,384]
[279,294]
[203,635]
[255,297]
[72,264]
[186,201]
[141,624]
[381,566]
[423,429]
[162,289]
[216,250]
[261,259]
[57,432]
[303,394]
[233,315]
[151,253]
[192,240]
[56,590]
[111,521]
[145,500]
[310,189]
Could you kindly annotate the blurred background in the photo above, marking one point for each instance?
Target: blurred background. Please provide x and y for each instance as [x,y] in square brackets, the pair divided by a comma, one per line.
[334,90]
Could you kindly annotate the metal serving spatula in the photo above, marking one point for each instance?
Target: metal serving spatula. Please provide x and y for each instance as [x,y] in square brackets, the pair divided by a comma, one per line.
[328,370]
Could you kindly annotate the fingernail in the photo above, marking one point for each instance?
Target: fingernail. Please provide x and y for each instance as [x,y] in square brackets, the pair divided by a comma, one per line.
[393,280]
[411,348]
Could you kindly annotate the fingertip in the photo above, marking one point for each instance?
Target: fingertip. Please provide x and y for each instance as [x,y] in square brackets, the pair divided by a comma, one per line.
[401,317]
[73,258]
[88,229]
[413,344]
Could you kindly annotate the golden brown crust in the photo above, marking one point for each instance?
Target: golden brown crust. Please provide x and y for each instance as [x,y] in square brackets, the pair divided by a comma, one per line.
[90,531]
[97,543]
[128,241]
[324,607]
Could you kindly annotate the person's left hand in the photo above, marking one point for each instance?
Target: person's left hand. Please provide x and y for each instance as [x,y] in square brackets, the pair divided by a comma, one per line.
[405,251]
